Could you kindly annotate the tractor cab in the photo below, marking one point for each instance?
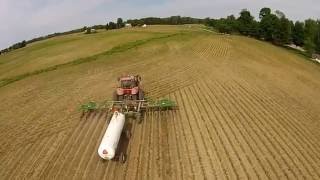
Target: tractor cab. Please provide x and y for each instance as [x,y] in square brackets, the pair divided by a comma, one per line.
[129,88]
[128,84]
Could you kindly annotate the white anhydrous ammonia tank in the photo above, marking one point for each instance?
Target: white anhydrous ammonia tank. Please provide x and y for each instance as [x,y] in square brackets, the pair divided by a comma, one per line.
[110,140]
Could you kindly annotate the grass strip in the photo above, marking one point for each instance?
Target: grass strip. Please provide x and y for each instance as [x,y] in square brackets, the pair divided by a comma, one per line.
[114,50]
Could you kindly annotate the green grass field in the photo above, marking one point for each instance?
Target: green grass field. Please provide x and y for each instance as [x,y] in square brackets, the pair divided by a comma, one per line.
[247,109]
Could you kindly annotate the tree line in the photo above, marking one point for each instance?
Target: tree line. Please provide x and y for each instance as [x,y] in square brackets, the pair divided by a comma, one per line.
[13,47]
[108,26]
[273,27]
[173,20]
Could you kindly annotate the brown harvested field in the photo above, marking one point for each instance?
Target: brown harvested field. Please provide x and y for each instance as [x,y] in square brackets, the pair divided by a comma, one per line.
[247,110]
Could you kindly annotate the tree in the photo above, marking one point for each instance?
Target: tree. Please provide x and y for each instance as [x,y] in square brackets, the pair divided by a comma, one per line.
[317,39]
[246,23]
[310,34]
[112,25]
[298,33]
[269,27]
[284,31]
[264,12]
[120,23]
[279,14]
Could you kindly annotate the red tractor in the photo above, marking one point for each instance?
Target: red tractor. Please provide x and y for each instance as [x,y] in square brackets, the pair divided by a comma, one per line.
[129,88]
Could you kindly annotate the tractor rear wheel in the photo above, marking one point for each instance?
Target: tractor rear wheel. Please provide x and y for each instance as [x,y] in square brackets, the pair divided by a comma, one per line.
[115,98]
[134,97]
[141,95]
[120,97]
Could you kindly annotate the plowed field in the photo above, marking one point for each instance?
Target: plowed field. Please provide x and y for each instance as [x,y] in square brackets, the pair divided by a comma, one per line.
[247,109]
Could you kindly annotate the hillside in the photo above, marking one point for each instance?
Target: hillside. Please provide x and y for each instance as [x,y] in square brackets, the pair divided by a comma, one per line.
[247,109]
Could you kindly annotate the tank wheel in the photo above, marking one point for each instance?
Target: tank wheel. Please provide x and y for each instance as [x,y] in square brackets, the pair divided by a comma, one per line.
[122,157]
[128,134]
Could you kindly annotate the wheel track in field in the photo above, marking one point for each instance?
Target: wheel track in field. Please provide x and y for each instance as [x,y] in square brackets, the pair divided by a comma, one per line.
[141,154]
[89,169]
[58,152]
[133,154]
[263,144]
[75,145]
[239,161]
[131,146]
[13,162]
[149,146]
[43,154]
[240,141]
[26,156]
[164,160]
[60,155]
[92,138]
[91,148]
[231,104]
[208,122]
[230,112]
[282,113]
[184,146]
[35,128]
[207,112]
[228,165]
[42,162]
[301,156]
[288,153]
[29,162]
[150,161]
[200,106]
[82,145]
[44,128]
[174,143]
[202,129]
[146,146]
[279,148]
[244,117]
[195,149]
[240,110]
[159,148]
[184,134]
[24,130]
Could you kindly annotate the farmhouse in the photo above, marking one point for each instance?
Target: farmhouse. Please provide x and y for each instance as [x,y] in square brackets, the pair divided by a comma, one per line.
[128,25]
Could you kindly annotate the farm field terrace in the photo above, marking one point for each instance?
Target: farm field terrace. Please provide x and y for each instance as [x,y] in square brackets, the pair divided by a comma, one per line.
[247,109]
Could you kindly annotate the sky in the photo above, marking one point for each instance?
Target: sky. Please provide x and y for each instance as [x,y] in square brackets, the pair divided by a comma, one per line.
[27,19]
